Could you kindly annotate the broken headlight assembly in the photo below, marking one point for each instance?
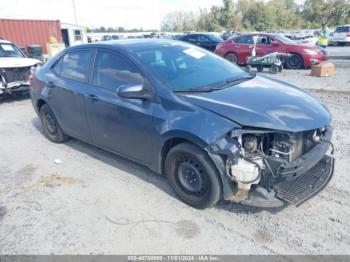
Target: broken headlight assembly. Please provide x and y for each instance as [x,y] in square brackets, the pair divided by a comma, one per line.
[260,159]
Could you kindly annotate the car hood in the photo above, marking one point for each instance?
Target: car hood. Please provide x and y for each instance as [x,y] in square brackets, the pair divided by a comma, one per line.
[11,62]
[265,103]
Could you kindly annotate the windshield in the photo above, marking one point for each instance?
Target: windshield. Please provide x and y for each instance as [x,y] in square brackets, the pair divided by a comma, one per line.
[214,38]
[284,40]
[10,50]
[184,68]
[342,29]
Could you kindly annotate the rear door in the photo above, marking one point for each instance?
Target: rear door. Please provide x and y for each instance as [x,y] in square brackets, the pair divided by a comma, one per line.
[243,47]
[67,82]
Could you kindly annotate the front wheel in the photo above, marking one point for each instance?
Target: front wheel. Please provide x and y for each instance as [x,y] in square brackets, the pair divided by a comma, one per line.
[295,61]
[193,176]
[51,126]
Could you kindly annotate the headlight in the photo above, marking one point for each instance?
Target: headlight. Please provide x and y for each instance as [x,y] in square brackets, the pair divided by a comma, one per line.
[310,52]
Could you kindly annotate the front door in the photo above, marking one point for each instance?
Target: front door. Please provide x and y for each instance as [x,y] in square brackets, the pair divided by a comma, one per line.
[119,124]
[264,46]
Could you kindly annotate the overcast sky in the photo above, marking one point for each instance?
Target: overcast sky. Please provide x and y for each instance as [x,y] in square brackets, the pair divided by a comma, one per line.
[126,13]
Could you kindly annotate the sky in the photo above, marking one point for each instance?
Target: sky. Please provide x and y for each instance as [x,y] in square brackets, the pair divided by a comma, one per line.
[146,14]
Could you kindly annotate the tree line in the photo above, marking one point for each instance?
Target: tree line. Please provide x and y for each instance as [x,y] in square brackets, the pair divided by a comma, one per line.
[259,15]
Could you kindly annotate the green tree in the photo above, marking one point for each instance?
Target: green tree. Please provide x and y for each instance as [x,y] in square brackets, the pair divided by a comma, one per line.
[226,14]
[334,12]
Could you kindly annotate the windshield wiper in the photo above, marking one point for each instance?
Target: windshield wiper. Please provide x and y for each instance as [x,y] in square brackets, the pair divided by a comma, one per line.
[233,82]
[223,85]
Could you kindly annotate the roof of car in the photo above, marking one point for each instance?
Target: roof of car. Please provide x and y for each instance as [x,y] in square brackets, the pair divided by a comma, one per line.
[134,44]
[258,33]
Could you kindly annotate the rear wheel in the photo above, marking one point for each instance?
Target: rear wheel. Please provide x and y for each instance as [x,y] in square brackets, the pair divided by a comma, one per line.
[51,126]
[192,176]
[232,58]
[295,61]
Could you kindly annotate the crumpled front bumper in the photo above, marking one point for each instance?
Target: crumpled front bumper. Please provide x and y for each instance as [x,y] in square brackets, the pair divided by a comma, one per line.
[300,179]
[307,185]
[17,86]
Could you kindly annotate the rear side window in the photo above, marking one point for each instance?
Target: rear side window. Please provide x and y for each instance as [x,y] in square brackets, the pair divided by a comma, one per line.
[203,38]
[246,39]
[75,65]
[191,38]
[112,71]
[57,67]
[342,29]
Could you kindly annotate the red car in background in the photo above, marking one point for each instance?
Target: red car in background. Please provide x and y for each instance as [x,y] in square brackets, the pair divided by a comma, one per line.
[239,48]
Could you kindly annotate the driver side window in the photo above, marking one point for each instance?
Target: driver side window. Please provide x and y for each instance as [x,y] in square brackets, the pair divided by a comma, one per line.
[112,71]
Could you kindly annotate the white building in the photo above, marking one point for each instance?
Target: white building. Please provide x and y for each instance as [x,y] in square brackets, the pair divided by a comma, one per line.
[73,34]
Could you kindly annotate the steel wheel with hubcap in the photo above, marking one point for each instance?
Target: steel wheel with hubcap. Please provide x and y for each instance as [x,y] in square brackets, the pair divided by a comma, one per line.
[50,125]
[192,176]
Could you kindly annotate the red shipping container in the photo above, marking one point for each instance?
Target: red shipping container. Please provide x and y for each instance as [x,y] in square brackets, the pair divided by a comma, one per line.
[30,32]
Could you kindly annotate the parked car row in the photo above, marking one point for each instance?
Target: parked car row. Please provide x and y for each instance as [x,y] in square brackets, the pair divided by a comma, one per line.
[238,48]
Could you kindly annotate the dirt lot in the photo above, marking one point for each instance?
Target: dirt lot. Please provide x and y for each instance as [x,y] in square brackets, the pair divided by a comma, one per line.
[96,202]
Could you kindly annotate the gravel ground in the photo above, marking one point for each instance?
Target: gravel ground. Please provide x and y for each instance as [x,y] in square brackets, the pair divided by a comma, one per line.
[302,78]
[94,202]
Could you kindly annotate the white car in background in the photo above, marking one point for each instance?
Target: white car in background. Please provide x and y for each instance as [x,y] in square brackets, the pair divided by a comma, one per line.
[15,68]
[341,35]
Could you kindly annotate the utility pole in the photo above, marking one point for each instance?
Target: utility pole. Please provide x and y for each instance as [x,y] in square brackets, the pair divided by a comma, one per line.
[75,13]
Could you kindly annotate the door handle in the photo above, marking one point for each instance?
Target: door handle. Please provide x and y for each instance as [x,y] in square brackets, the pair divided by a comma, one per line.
[91,98]
[50,84]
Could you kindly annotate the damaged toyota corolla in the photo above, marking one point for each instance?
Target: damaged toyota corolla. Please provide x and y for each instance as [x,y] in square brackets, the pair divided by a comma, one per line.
[215,131]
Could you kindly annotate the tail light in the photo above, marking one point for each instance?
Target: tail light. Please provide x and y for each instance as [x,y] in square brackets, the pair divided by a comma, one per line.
[348,34]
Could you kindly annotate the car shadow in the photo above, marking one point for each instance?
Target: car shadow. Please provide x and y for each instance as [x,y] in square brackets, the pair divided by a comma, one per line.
[142,172]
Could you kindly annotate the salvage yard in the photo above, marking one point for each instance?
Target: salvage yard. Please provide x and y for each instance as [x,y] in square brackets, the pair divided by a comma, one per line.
[73,198]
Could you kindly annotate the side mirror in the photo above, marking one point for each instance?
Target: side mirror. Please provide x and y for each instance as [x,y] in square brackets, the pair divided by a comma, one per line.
[134,91]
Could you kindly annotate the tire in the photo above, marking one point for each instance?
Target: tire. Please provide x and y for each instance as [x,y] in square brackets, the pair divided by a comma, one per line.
[274,69]
[280,68]
[52,129]
[260,68]
[193,176]
[247,68]
[231,57]
[295,61]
